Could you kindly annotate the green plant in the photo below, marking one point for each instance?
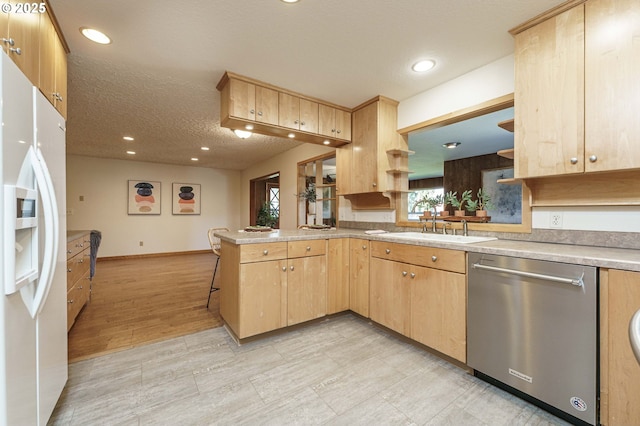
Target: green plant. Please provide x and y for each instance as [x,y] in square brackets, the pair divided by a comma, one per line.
[450,198]
[430,202]
[484,200]
[267,216]
[459,203]
[309,193]
[472,206]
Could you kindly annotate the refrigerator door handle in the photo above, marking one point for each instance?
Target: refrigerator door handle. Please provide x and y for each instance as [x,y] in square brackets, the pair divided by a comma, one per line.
[51,231]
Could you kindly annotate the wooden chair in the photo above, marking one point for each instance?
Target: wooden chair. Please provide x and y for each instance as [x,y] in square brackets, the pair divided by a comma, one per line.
[215,246]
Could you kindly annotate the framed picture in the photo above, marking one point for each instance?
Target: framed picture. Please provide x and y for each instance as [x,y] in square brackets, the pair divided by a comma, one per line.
[144,197]
[506,199]
[186,198]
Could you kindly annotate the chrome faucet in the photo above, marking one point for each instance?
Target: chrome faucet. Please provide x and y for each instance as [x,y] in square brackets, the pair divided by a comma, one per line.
[465,229]
[433,224]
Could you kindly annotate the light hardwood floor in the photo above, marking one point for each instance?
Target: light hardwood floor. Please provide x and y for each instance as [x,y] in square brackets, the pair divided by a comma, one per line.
[142,300]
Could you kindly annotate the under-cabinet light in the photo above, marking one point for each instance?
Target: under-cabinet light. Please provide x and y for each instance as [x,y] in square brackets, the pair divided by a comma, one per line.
[242,134]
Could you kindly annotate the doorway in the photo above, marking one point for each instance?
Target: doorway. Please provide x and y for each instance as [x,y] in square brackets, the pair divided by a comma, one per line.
[264,203]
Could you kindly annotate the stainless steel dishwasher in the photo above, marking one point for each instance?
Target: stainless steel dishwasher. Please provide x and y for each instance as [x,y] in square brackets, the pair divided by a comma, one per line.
[532,326]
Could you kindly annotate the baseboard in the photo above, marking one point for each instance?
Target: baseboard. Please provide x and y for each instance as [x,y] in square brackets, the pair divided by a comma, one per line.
[150,255]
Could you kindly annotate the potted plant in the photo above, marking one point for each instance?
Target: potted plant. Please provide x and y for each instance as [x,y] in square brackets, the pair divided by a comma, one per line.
[309,194]
[459,203]
[483,203]
[472,206]
[266,216]
[431,203]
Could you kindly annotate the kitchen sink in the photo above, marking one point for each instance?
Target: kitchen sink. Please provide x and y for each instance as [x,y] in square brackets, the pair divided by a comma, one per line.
[445,238]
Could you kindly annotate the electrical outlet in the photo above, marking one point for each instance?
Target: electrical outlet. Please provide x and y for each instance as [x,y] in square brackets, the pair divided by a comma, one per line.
[555,220]
[141,243]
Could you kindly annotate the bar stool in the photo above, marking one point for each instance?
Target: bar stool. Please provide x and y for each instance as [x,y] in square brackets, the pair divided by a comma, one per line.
[215,246]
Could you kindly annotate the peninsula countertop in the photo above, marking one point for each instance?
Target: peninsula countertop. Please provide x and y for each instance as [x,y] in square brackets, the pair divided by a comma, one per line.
[604,257]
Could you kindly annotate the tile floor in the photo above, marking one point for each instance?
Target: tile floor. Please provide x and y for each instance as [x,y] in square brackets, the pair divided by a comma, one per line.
[341,371]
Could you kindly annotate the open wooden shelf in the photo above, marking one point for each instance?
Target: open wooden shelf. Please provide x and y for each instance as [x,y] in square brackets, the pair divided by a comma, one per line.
[506,153]
[507,125]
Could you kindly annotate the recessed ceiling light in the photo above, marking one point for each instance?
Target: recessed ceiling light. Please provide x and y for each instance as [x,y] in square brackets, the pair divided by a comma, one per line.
[127,138]
[194,159]
[131,152]
[242,134]
[292,135]
[422,66]
[205,148]
[291,1]
[95,35]
[451,145]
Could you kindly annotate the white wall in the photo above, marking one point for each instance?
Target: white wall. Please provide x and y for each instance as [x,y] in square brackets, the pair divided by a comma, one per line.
[287,164]
[103,185]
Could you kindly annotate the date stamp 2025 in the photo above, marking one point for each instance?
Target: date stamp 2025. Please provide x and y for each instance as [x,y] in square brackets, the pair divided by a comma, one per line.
[23,8]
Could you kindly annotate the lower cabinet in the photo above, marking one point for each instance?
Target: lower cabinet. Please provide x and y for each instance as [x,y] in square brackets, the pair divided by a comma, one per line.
[359,276]
[424,300]
[306,289]
[619,369]
[337,275]
[78,276]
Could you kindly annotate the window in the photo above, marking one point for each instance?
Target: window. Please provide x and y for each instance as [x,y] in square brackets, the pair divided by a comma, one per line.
[416,209]
[273,198]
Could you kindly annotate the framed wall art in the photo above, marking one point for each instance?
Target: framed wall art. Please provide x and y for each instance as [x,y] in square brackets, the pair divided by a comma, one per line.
[144,197]
[506,199]
[186,198]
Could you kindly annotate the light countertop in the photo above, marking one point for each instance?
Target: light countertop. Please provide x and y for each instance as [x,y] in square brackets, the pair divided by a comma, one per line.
[615,258]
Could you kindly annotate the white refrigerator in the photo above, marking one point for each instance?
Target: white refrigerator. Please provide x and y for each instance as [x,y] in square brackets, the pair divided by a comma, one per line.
[33,313]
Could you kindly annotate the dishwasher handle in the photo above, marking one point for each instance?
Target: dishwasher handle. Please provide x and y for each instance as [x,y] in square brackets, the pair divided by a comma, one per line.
[573,281]
[634,334]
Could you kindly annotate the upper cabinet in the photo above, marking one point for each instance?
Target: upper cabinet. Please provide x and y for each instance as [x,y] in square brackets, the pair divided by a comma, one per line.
[262,108]
[576,90]
[334,123]
[362,166]
[20,37]
[52,66]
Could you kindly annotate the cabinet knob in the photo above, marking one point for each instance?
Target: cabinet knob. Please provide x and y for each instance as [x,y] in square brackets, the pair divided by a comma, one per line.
[434,258]
[80,288]
[308,248]
[81,261]
[413,275]
[70,301]
[573,160]
[593,158]
[296,122]
[291,267]
[15,50]
[404,273]
[338,132]
[302,123]
[260,113]
[69,270]
[266,252]
[364,247]
[252,112]
[68,251]
[284,269]
[333,130]
[387,251]
[8,41]
[374,184]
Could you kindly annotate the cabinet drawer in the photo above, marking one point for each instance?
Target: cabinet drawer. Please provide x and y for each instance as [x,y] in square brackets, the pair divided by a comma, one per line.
[431,257]
[77,296]
[307,248]
[262,252]
[76,246]
[77,266]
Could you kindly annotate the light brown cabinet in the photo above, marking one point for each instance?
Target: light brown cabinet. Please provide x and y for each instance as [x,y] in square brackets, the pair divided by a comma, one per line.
[306,281]
[576,91]
[334,123]
[52,79]
[337,275]
[78,276]
[297,113]
[359,276]
[423,298]
[619,369]
[20,38]
[362,165]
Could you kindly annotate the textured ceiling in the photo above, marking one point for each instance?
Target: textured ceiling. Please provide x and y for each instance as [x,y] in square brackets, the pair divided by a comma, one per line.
[156,81]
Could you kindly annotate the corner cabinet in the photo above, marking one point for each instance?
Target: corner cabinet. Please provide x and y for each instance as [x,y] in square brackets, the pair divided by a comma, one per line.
[424,298]
[576,90]
[248,104]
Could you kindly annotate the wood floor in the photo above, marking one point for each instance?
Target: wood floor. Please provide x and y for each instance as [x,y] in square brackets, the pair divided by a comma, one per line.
[142,300]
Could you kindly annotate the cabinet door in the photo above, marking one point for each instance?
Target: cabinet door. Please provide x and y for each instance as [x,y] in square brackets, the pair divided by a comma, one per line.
[4,30]
[242,99]
[343,125]
[326,121]
[47,63]
[390,294]
[266,105]
[438,311]
[289,111]
[365,150]
[338,275]
[308,116]
[306,289]
[549,96]
[619,367]
[344,156]
[23,29]
[60,77]
[359,276]
[612,85]
[262,297]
